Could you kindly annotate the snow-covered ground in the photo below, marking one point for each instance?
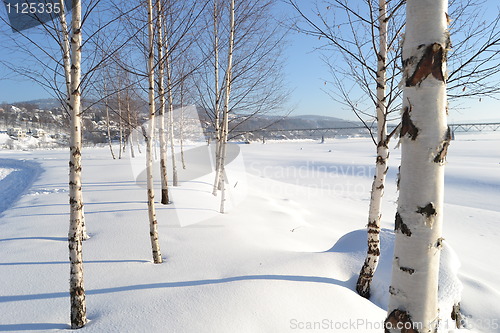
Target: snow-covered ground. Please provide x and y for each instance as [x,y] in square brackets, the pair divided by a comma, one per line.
[285,258]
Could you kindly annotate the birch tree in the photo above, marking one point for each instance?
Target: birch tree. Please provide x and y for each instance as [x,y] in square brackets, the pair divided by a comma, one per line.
[120,122]
[180,31]
[217,93]
[378,184]
[75,234]
[170,95]
[130,126]
[225,122]
[62,76]
[149,137]
[161,95]
[370,53]
[365,36]
[66,55]
[256,78]
[108,129]
[425,138]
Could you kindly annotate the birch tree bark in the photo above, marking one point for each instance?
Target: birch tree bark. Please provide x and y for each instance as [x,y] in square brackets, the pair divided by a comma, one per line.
[161,95]
[120,122]
[110,143]
[181,125]
[130,126]
[66,54]
[75,234]
[377,192]
[65,48]
[149,137]
[425,138]
[216,99]
[225,122]
[170,94]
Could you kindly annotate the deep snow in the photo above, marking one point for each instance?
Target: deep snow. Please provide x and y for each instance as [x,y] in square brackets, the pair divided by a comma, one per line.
[285,257]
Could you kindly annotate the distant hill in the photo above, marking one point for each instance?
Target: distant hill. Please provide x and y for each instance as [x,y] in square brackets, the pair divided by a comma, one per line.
[296,127]
[243,128]
[44,104]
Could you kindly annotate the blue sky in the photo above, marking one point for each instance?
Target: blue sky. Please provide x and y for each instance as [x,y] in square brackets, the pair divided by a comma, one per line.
[305,74]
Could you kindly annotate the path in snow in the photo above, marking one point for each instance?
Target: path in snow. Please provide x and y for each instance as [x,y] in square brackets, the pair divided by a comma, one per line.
[16,176]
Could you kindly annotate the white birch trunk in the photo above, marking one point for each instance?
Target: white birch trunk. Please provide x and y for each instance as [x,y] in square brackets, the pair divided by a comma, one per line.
[161,94]
[225,125]
[136,123]
[217,100]
[109,130]
[130,128]
[120,124]
[75,235]
[377,192]
[65,48]
[424,142]
[181,126]
[65,45]
[171,114]
[149,137]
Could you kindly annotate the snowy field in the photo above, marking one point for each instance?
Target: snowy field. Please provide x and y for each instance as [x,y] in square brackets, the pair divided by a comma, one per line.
[285,258]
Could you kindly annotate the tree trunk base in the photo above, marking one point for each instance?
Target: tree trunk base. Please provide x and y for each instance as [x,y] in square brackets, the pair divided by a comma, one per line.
[363,286]
[456,315]
[164,197]
[399,321]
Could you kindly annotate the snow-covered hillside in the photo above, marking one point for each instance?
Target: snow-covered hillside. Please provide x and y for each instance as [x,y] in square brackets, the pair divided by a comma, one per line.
[28,142]
[285,258]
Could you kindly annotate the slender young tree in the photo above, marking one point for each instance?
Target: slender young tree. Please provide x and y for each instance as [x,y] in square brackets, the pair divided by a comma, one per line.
[170,94]
[181,120]
[75,234]
[225,120]
[161,96]
[424,142]
[256,85]
[149,137]
[217,96]
[377,192]
[120,121]
[130,126]
[108,129]
[65,46]
[364,46]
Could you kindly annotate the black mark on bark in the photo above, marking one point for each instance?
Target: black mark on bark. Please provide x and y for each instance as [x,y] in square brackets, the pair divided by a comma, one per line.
[407,270]
[401,226]
[431,63]
[407,126]
[443,149]
[428,210]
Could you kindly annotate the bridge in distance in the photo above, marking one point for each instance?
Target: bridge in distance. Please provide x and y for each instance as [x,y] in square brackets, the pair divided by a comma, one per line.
[357,130]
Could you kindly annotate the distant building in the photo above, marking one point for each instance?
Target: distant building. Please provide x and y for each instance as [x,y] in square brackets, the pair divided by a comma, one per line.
[38,133]
[16,132]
